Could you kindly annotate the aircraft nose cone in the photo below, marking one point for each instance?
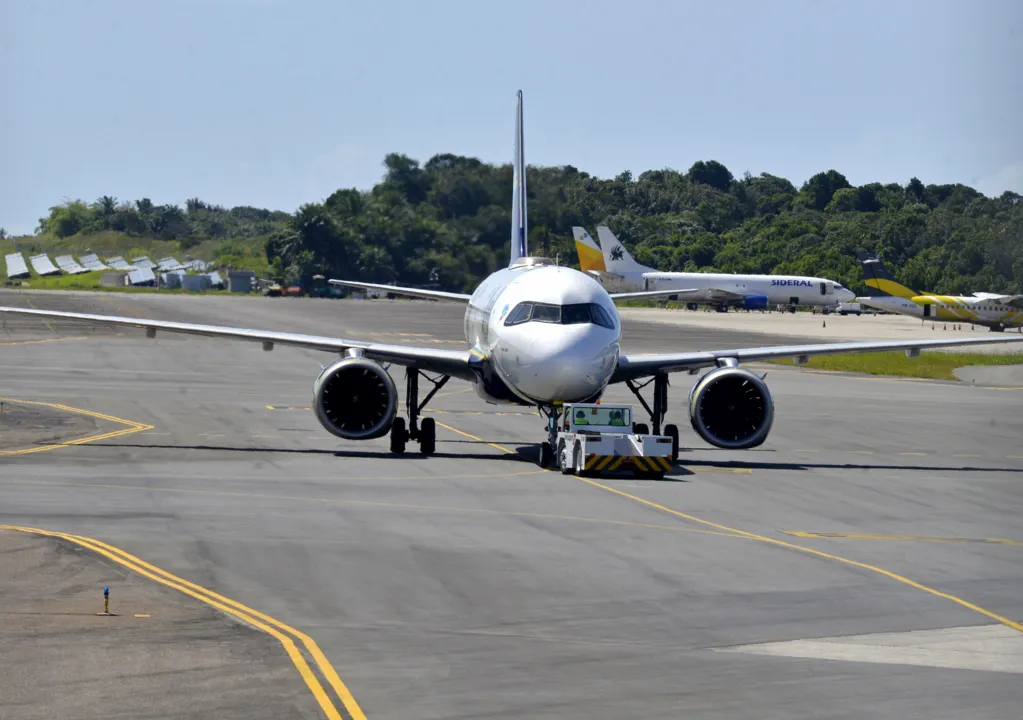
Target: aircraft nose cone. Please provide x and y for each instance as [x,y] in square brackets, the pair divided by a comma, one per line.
[559,363]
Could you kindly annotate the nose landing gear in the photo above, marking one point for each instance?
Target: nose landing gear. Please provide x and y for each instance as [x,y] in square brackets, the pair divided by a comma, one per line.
[547,448]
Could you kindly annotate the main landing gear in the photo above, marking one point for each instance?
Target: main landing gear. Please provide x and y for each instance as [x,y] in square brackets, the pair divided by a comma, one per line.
[657,413]
[424,432]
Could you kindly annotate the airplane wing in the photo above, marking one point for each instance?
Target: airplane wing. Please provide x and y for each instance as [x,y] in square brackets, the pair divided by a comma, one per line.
[398,290]
[651,294]
[631,367]
[1013,301]
[446,362]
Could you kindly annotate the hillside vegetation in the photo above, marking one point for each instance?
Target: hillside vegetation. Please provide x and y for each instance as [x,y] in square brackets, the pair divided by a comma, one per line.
[446,223]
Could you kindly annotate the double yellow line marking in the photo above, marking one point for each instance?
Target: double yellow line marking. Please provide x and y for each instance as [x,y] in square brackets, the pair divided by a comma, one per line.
[130,427]
[284,634]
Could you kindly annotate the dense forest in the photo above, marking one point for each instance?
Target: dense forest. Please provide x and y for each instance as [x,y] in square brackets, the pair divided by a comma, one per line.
[446,223]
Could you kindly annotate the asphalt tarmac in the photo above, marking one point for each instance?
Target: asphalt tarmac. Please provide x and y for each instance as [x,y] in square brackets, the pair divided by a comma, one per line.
[471,584]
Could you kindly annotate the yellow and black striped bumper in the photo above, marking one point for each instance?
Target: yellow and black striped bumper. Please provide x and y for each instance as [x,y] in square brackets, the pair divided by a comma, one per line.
[611,463]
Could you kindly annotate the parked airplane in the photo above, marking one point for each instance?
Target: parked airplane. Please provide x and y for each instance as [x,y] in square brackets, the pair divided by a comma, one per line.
[615,268]
[537,335]
[996,312]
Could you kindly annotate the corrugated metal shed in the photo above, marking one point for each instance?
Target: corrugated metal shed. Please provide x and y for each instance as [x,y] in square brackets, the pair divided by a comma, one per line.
[143,262]
[119,263]
[240,280]
[141,276]
[197,265]
[69,265]
[172,279]
[43,265]
[91,262]
[168,264]
[196,283]
[16,267]
[215,279]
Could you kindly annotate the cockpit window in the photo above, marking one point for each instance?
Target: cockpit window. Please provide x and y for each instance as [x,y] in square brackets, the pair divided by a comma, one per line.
[520,314]
[575,314]
[546,313]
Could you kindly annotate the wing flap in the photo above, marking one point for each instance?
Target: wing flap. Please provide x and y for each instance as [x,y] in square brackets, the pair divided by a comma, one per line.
[447,362]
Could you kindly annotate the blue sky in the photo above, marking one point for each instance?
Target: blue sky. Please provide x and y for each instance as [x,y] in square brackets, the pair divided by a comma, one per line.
[275,103]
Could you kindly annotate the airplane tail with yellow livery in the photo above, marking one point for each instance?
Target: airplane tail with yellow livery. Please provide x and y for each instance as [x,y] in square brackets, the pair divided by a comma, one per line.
[877,277]
[591,259]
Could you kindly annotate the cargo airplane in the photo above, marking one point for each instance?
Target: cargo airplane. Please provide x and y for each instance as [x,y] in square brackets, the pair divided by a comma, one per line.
[993,311]
[615,269]
[537,335]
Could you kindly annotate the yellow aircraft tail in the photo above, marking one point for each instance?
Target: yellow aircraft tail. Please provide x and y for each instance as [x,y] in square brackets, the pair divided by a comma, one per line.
[590,256]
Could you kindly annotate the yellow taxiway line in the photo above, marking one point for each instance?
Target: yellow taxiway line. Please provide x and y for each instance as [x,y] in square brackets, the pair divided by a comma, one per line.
[130,427]
[778,543]
[269,625]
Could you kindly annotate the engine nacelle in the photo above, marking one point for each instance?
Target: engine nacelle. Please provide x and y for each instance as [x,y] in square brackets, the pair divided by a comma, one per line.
[731,408]
[355,399]
[754,302]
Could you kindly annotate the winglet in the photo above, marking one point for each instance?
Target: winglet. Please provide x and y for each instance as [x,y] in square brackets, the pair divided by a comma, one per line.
[518,224]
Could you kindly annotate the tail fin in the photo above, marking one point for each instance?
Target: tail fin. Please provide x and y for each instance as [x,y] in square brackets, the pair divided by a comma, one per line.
[875,276]
[590,257]
[518,224]
[616,257]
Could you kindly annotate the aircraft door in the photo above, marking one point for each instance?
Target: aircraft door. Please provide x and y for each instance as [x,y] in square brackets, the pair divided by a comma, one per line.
[824,288]
[927,310]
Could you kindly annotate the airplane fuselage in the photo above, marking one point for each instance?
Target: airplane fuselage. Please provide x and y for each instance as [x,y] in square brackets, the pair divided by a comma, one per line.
[558,354]
[777,289]
[950,308]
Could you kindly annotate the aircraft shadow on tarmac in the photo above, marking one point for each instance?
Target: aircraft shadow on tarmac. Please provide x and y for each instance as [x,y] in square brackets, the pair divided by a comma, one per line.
[411,455]
[762,465]
[529,454]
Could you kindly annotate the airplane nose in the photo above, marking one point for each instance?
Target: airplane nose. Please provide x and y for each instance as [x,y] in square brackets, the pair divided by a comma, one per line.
[559,363]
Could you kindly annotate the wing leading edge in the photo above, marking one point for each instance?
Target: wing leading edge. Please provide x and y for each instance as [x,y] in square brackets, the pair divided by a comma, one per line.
[447,362]
[631,367]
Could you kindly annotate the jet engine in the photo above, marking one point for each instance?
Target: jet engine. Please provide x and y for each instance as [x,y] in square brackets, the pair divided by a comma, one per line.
[731,408]
[754,302]
[355,399]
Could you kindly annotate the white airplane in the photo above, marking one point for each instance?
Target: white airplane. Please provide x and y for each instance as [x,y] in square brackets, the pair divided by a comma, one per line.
[615,269]
[996,312]
[537,335]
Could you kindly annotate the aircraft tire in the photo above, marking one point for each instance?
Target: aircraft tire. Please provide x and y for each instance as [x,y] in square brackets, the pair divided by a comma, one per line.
[546,455]
[428,436]
[399,436]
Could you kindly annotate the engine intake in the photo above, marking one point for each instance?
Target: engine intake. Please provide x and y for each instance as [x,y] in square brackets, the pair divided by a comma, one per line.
[731,408]
[355,399]
[754,302]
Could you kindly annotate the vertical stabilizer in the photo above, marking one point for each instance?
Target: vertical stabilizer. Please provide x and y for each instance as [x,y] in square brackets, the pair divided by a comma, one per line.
[590,257]
[876,277]
[616,257]
[518,224]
